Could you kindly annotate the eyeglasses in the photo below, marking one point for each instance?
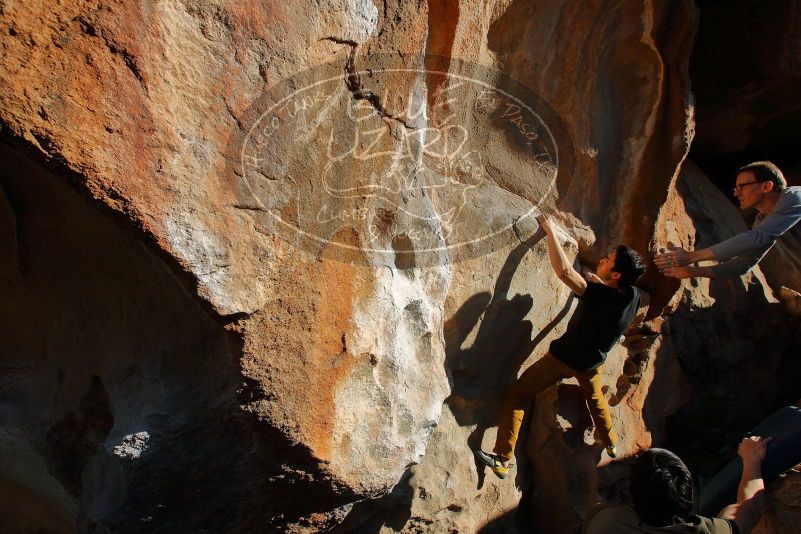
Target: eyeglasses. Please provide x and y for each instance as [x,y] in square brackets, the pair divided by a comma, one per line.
[740,187]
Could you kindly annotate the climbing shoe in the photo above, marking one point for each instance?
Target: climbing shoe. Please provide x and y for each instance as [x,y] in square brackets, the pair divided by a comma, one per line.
[611,451]
[498,464]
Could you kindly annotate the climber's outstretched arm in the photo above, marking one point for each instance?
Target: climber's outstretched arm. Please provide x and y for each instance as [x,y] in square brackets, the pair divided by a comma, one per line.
[559,260]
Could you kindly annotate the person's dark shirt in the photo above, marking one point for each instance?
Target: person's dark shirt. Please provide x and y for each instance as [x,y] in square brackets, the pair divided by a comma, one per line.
[601,317]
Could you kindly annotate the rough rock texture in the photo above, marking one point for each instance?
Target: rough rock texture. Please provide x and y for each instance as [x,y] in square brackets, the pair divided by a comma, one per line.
[342,365]
[195,341]
[507,305]
[783,507]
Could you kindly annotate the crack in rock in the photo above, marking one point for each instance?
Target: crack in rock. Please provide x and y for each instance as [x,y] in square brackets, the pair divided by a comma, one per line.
[127,58]
[354,84]
[246,207]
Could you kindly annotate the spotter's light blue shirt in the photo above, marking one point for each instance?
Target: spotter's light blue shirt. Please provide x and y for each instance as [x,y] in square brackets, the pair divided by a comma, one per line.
[739,254]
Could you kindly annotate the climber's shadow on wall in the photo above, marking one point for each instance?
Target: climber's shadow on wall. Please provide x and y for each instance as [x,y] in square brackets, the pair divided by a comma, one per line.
[480,372]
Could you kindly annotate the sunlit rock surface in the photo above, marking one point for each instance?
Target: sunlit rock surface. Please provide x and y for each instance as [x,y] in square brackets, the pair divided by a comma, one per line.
[272,266]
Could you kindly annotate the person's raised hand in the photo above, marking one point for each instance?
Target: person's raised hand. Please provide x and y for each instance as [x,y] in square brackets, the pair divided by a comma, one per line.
[677,272]
[753,449]
[673,257]
[546,223]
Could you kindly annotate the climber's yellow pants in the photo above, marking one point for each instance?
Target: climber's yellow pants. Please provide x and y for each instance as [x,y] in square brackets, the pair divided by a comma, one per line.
[543,373]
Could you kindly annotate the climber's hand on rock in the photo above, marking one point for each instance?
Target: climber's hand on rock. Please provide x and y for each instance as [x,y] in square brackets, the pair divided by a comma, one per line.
[546,223]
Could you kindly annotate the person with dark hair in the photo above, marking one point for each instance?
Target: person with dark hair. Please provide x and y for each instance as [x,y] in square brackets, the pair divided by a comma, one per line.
[662,497]
[760,185]
[608,304]
[661,488]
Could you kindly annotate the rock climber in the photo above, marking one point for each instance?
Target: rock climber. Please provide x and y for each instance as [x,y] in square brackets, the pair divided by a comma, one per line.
[607,305]
[759,185]
[662,497]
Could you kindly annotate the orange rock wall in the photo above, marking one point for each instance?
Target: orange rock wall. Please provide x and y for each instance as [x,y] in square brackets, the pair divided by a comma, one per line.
[303,382]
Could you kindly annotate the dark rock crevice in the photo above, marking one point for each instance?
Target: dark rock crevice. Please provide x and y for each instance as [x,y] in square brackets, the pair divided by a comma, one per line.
[354,84]
[124,382]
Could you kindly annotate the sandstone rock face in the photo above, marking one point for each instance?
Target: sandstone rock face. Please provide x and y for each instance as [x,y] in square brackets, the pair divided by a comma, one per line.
[341,366]
[507,306]
[272,266]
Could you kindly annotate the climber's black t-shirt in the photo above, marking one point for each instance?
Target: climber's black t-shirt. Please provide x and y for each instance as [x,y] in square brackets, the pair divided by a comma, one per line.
[601,317]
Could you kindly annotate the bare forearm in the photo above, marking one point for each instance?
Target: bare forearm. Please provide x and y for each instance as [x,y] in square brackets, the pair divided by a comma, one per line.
[704,254]
[702,272]
[751,484]
[750,499]
[690,272]
[559,261]
[750,494]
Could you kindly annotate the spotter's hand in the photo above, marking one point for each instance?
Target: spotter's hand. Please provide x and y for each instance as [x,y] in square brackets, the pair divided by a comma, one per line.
[678,272]
[674,257]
